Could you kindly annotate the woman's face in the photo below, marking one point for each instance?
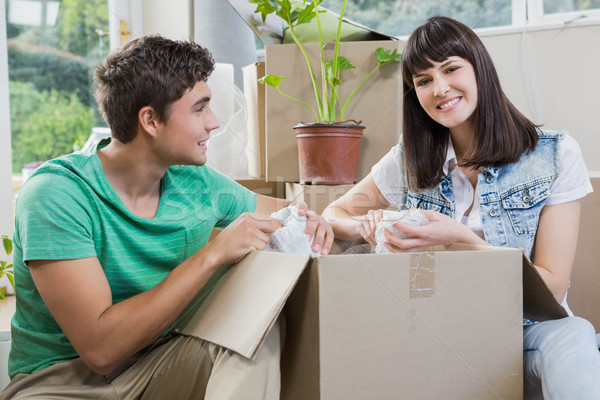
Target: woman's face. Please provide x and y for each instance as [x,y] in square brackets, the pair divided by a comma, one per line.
[448,92]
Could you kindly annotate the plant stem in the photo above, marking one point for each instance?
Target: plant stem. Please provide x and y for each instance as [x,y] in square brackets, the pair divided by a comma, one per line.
[312,76]
[301,102]
[326,110]
[335,58]
[355,90]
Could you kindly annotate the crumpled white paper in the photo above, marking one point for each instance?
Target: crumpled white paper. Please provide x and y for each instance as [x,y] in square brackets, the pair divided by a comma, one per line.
[408,217]
[291,237]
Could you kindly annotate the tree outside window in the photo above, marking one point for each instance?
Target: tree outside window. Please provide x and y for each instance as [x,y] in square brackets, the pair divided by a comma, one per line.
[401,17]
[53,49]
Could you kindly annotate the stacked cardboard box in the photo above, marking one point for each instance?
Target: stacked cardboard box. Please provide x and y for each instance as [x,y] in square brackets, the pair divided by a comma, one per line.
[317,197]
[378,103]
[584,296]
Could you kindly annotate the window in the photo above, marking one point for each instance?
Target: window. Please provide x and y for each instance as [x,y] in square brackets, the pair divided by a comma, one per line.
[53,48]
[401,17]
[562,11]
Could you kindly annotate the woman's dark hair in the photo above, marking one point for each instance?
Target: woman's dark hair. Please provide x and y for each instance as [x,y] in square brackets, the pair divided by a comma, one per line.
[502,133]
[149,71]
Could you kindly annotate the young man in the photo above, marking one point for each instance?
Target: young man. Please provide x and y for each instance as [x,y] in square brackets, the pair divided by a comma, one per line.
[111,246]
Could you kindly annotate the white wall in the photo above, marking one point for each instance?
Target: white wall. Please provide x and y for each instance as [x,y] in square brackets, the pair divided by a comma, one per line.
[172,18]
[553,77]
[6,198]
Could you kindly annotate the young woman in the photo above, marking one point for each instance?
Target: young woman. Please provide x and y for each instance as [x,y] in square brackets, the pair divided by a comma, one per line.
[484,174]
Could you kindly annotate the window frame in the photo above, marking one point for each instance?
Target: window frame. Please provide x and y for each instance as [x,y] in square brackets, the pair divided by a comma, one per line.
[538,17]
[6,197]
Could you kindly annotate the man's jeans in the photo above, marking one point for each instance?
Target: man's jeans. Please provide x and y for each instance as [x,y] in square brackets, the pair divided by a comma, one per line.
[561,360]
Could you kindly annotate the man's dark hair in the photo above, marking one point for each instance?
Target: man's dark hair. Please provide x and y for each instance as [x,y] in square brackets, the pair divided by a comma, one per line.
[502,133]
[148,71]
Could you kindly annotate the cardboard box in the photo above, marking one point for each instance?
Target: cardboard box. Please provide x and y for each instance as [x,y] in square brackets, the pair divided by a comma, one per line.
[317,197]
[260,186]
[377,104]
[255,102]
[584,296]
[440,324]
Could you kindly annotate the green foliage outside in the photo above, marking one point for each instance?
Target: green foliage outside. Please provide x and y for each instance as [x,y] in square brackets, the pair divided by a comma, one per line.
[556,6]
[46,124]
[51,73]
[5,267]
[49,68]
[82,26]
[401,17]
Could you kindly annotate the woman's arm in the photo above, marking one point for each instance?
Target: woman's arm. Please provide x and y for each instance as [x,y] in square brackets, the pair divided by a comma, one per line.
[356,213]
[555,245]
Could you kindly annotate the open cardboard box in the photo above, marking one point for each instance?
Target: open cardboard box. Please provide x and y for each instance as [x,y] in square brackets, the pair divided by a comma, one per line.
[440,324]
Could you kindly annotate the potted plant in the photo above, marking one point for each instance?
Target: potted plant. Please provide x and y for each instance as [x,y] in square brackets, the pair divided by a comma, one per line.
[329,148]
[5,267]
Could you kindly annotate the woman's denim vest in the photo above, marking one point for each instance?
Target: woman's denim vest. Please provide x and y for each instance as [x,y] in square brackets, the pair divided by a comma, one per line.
[510,197]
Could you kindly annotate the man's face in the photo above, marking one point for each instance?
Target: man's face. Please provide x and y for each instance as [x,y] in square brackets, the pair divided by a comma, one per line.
[182,137]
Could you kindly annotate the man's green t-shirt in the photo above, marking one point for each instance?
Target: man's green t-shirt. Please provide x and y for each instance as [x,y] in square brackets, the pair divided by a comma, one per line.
[68,210]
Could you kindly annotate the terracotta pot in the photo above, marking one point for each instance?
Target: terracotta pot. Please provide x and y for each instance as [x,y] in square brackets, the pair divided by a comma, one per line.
[328,154]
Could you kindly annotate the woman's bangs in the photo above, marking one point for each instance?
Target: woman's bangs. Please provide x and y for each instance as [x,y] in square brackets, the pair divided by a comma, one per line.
[428,48]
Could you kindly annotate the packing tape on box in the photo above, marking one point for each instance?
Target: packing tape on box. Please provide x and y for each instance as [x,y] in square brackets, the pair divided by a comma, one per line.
[422,275]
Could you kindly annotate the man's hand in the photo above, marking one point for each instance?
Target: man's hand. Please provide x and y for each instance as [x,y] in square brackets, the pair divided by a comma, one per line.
[248,232]
[315,224]
[317,227]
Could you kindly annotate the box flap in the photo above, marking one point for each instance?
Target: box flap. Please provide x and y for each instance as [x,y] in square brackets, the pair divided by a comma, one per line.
[271,31]
[539,304]
[246,302]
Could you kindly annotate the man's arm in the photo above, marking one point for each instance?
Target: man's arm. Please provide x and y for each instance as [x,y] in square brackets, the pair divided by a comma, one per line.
[106,334]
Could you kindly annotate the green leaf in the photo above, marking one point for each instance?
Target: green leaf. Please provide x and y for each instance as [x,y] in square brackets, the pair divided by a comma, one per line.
[344,63]
[264,7]
[306,15]
[11,278]
[386,56]
[329,77]
[272,80]
[3,264]
[7,243]
[285,11]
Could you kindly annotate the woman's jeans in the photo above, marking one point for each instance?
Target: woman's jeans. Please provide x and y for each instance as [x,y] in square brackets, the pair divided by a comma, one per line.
[561,360]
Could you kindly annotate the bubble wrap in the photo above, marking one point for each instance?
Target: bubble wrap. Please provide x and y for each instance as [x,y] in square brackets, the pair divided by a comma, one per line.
[408,217]
[291,237]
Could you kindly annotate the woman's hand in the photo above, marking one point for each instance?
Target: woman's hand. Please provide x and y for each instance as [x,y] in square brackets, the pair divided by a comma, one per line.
[367,225]
[441,230]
